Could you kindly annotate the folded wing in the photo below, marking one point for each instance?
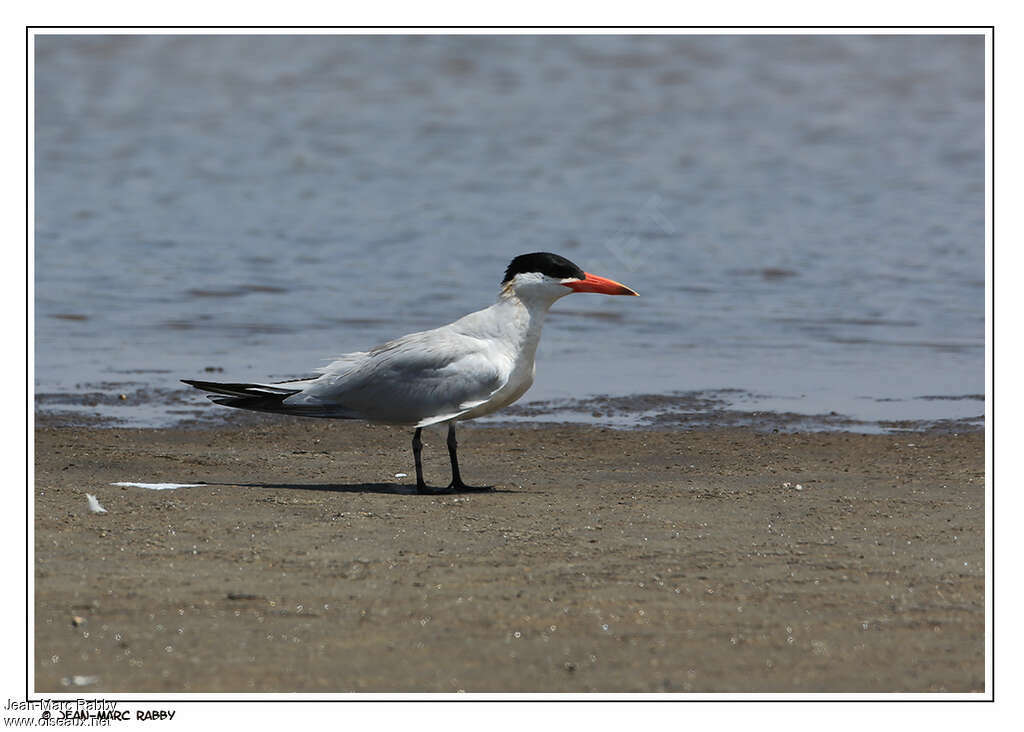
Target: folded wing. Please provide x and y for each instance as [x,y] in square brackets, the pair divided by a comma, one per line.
[415,380]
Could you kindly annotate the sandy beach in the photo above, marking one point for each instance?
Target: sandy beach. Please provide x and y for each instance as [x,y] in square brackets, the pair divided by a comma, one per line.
[718,560]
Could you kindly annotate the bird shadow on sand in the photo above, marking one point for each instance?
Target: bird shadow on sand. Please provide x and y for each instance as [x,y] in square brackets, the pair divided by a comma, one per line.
[403,489]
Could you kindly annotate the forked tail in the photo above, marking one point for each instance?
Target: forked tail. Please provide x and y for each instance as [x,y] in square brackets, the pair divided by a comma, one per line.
[269,398]
[258,397]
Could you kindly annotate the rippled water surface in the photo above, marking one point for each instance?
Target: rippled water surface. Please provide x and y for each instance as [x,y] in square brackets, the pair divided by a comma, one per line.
[802,215]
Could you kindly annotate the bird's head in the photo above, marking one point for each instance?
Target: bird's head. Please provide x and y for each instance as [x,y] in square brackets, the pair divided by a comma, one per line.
[546,276]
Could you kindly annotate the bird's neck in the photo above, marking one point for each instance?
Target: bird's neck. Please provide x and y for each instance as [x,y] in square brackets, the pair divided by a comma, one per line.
[524,315]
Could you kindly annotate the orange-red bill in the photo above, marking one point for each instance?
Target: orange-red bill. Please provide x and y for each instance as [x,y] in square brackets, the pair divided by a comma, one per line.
[594,283]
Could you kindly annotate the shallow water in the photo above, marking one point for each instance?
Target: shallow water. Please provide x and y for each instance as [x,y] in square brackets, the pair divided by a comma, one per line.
[803,216]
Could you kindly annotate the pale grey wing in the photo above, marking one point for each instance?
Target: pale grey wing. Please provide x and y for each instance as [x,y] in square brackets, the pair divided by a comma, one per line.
[420,379]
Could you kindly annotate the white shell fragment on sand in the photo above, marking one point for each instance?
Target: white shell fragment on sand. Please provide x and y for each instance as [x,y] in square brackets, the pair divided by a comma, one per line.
[94,505]
[401,475]
[159,486]
[79,680]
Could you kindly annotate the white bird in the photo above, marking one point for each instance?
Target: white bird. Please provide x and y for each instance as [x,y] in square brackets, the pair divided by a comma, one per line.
[472,367]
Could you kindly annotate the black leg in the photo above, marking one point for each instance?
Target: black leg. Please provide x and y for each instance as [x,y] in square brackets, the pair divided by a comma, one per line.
[421,485]
[457,484]
[417,448]
[453,455]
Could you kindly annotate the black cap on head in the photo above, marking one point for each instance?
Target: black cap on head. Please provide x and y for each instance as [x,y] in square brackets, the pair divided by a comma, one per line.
[545,263]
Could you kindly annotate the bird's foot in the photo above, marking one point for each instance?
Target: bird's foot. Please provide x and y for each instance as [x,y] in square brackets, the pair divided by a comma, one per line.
[430,491]
[453,488]
[460,487]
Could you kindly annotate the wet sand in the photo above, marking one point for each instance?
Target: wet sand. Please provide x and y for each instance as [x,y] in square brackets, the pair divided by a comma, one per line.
[711,560]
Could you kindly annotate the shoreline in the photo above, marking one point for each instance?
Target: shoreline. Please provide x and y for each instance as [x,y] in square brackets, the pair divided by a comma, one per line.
[707,409]
[604,560]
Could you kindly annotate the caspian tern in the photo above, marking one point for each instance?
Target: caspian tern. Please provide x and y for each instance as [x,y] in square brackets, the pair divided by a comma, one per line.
[472,367]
